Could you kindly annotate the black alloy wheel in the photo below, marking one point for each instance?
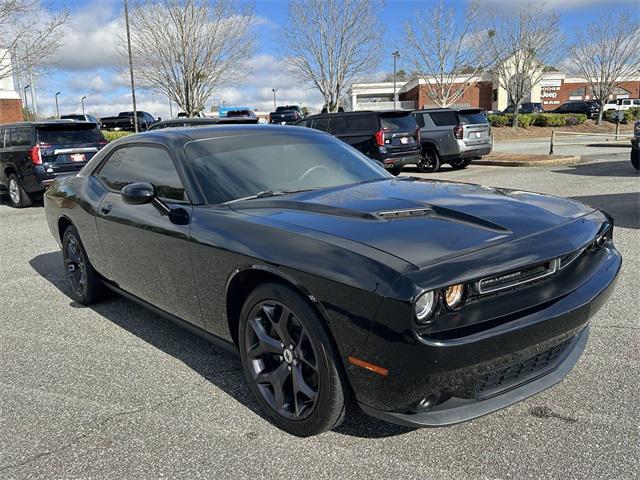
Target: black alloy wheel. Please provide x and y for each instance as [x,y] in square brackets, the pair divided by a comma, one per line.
[86,287]
[429,162]
[459,164]
[289,361]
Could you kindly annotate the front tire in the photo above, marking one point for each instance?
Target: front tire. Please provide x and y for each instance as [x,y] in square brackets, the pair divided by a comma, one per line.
[395,171]
[429,162]
[18,197]
[635,159]
[289,361]
[460,163]
[84,281]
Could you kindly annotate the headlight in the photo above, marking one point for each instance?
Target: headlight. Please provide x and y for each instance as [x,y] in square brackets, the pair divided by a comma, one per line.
[425,306]
[454,295]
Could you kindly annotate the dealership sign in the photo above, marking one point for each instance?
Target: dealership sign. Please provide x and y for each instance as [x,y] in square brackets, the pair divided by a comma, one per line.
[549,89]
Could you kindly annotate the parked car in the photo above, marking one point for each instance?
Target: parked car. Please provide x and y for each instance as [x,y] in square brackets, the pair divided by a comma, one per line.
[81,117]
[635,148]
[453,136]
[195,115]
[34,154]
[200,122]
[426,303]
[124,121]
[391,138]
[241,114]
[590,108]
[625,104]
[526,107]
[286,114]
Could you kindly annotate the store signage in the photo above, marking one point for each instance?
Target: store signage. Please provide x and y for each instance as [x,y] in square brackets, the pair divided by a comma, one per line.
[551,82]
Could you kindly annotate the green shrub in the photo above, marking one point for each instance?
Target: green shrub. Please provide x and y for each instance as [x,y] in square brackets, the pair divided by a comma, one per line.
[538,119]
[111,136]
[499,120]
[632,114]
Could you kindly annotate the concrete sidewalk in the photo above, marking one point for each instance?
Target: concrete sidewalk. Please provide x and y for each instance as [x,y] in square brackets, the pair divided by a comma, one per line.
[540,146]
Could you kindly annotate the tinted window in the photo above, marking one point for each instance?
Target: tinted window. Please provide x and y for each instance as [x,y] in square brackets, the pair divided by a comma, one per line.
[304,123]
[354,123]
[441,119]
[235,167]
[2,130]
[73,117]
[419,120]
[321,124]
[143,164]
[471,117]
[70,134]
[394,122]
[20,137]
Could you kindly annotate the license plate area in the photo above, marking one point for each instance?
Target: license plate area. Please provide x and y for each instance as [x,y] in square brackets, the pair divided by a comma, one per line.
[77,157]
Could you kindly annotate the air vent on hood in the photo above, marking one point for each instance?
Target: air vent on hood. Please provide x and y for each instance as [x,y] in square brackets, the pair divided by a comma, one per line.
[411,212]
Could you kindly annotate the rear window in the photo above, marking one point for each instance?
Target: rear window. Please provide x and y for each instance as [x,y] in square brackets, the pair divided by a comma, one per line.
[442,119]
[354,124]
[72,117]
[402,123]
[70,134]
[473,117]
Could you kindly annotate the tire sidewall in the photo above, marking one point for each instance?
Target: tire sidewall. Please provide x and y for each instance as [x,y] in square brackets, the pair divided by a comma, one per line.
[316,422]
[435,159]
[20,202]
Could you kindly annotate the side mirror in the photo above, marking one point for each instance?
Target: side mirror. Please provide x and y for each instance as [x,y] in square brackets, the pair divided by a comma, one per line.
[159,119]
[138,193]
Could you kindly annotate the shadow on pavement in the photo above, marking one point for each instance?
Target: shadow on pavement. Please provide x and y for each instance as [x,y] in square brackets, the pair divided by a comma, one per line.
[618,168]
[194,351]
[623,207]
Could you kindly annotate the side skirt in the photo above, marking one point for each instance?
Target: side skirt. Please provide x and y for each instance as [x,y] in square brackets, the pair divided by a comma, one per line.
[219,342]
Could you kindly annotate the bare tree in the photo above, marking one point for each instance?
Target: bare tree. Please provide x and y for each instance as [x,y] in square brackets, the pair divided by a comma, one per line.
[443,49]
[185,49]
[29,35]
[332,42]
[522,46]
[606,52]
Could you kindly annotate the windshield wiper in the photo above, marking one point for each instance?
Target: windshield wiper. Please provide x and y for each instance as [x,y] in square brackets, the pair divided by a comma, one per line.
[269,193]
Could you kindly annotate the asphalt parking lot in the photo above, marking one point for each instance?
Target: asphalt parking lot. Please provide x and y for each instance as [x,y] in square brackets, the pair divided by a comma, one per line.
[114,391]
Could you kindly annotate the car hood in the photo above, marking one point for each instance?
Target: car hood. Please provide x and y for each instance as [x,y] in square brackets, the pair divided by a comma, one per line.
[420,221]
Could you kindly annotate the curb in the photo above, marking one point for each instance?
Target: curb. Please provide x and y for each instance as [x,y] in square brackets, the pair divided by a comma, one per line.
[572,160]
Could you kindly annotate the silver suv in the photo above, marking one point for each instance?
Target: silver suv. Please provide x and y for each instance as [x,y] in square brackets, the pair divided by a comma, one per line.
[454,136]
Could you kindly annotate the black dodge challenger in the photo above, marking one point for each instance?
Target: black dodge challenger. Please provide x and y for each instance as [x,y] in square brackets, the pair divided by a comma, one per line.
[424,302]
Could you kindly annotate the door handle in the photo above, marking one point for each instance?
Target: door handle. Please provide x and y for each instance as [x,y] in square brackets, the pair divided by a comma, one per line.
[106,208]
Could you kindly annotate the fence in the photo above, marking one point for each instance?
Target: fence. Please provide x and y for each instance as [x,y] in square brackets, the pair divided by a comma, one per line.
[558,133]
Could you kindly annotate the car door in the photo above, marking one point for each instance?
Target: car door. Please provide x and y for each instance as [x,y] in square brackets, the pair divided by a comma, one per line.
[356,130]
[440,129]
[147,252]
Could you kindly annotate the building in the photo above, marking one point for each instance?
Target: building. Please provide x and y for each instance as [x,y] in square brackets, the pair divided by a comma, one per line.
[10,101]
[483,92]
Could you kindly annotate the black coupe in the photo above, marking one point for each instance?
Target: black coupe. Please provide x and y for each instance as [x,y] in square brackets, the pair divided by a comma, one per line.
[423,302]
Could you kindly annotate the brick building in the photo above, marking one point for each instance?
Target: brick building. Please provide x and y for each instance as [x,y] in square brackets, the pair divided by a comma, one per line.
[10,102]
[484,92]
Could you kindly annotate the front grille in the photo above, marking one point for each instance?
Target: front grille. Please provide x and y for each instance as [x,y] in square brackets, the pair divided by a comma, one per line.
[518,373]
[517,277]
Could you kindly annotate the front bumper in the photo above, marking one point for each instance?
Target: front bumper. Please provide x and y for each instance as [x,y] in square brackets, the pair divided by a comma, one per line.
[461,372]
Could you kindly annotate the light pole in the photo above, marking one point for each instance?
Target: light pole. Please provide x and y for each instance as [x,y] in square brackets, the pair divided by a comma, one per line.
[82,101]
[133,85]
[274,90]
[57,109]
[26,101]
[396,55]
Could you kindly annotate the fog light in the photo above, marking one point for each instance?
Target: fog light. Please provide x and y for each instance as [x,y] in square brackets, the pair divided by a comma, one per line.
[425,306]
[454,295]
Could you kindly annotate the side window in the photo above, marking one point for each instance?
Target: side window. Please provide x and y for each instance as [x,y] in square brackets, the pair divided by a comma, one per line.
[419,119]
[354,124]
[2,132]
[20,137]
[143,164]
[304,123]
[321,124]
[443,119]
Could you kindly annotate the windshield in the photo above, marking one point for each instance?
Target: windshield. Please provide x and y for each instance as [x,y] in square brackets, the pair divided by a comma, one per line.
[239,166]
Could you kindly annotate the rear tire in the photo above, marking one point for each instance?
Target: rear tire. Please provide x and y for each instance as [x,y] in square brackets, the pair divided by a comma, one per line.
[460,164]
[395,171]
[85,283]
[18,197]
[301,389]
[430,161]
[635,159]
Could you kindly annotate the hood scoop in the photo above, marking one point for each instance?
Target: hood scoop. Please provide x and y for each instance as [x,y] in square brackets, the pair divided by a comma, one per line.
[405,213]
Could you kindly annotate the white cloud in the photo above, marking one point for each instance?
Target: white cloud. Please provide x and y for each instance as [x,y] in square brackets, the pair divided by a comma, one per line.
[561,4]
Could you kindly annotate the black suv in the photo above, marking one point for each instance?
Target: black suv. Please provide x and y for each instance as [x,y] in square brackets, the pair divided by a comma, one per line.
[590,108]
[392,138]
[526,107]
[33,154]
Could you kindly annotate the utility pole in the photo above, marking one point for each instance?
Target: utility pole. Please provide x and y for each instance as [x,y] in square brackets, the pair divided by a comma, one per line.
[57,109]
[396,55]
[133,85]
[274,90]
[82,102]
[26,102]
[170,109]
[34,98]
[16,72]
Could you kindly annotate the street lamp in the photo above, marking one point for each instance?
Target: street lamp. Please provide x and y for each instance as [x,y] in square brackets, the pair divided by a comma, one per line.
[274,90]
[57,109]
[26,101]
[396,55]
[82,102]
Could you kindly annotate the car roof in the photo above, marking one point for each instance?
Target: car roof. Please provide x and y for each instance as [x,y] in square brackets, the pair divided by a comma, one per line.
[217,131]
[39,123]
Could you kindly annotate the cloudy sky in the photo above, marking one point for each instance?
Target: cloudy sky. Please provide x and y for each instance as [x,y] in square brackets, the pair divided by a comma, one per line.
[88,62]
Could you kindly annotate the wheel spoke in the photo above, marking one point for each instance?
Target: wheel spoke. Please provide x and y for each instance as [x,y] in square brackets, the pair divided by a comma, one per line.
[266,343]
[301,386]
[277,379]
[305,353]
[281,323]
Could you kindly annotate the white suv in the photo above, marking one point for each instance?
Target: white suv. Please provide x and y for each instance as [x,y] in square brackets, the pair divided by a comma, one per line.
[627,103]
